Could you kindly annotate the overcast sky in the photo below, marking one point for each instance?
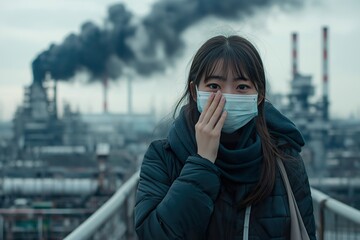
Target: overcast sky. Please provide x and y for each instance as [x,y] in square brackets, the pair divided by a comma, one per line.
[28,27]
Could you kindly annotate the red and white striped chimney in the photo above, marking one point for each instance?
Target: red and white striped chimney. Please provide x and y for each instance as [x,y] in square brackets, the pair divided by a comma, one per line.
[325,60]
[294,54]
[105,87]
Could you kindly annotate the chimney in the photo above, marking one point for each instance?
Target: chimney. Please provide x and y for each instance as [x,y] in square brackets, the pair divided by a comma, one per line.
[105,86]
[129,84]
[55,98]
[294,55]
[325,61]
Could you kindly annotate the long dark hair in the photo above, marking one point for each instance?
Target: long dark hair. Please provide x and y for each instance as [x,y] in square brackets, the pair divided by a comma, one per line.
[241,56]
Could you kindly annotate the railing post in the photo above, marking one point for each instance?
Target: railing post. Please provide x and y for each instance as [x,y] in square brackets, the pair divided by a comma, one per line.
[129,213]
[322,219]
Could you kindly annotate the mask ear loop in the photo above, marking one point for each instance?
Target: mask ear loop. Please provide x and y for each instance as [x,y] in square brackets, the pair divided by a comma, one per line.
[197,93]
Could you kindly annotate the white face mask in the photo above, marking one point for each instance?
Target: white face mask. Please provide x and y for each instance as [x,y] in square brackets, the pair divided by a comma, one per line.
[240,109]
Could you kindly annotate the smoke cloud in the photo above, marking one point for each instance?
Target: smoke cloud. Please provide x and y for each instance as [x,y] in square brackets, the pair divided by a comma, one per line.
[104,52]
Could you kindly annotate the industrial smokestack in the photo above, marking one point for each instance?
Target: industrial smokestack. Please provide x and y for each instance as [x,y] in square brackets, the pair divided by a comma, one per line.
[105,86]
[294,55]
[325,61]
[129,85]
[55,98]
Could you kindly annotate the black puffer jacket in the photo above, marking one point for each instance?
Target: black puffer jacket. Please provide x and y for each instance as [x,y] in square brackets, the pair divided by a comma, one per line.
[183,196]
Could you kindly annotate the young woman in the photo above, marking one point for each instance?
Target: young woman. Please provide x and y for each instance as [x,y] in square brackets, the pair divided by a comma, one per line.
[215,176]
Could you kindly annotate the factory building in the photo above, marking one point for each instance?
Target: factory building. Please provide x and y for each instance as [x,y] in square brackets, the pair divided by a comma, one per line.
[36,122]
[311,117]
[58,157]
[331,147]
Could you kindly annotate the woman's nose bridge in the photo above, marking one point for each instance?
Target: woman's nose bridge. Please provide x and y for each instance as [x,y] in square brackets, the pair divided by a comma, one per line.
[229,88]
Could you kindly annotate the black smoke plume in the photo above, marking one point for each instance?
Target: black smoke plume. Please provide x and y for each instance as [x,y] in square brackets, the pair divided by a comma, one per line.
[94,48]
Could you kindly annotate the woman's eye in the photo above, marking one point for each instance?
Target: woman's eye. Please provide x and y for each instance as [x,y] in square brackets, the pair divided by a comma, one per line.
[243,87]
[213,86]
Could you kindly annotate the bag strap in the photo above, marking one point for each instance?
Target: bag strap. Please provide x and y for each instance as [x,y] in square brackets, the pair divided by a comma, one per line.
[298,230]
[247,223]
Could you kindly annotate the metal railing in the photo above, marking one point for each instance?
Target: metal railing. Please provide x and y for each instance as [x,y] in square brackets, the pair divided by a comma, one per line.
[334,219]
[114,220]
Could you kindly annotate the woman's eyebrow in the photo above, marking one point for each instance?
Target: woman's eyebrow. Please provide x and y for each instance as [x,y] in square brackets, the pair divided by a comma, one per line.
[221,78]
[242,78]
[215,77]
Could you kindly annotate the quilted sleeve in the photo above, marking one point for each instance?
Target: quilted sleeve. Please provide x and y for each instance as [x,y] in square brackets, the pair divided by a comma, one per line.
[174,210]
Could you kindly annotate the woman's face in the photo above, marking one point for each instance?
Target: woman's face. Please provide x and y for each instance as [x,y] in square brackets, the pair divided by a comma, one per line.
[226,82]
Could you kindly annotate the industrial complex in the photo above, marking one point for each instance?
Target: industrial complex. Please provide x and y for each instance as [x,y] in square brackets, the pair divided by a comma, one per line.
[56,171]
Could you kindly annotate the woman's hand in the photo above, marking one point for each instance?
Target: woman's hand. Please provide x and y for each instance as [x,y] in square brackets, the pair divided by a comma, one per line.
[208,128]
